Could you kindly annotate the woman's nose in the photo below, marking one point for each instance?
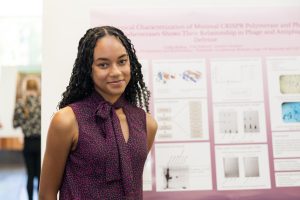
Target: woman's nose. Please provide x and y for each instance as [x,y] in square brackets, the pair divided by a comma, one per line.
[114,70]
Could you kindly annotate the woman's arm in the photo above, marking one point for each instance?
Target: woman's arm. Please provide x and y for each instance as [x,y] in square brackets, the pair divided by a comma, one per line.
[62,136]
[151,130]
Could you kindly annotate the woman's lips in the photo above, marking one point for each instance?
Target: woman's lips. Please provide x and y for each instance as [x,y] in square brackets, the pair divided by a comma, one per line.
[116,83]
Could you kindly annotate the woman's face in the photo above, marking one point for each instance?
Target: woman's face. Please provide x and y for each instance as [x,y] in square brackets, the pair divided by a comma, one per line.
[110,68]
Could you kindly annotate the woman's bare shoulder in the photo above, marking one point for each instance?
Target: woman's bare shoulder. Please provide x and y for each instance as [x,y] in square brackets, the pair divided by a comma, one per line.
[151,123]
[64,120]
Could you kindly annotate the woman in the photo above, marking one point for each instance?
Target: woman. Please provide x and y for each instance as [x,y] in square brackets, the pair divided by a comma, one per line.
[98,141]
[27,115]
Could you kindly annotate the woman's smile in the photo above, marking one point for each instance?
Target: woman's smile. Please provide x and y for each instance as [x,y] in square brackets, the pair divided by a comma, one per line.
[117,83]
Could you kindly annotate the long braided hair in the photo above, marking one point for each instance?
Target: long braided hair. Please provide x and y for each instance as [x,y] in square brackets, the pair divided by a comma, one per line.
[81,84]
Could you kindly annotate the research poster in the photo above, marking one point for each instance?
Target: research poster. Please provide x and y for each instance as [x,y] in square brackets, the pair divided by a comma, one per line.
[225,91]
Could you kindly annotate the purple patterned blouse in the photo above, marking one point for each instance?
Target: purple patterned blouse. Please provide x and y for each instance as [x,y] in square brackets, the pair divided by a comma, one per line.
[103,165]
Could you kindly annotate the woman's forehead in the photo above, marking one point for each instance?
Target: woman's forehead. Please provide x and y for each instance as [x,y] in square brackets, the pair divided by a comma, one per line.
[109,46]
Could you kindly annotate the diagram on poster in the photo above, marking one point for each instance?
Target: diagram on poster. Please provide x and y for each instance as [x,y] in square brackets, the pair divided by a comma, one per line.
[179,78]
[239,123]
[237,79]
[181,119]
[178,167]
[241,167]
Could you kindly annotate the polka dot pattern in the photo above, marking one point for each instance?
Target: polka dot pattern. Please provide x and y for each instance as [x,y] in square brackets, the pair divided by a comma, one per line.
[103,165]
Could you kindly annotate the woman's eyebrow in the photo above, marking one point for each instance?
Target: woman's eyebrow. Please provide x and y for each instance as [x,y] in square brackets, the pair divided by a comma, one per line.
[124,55]
[106,59]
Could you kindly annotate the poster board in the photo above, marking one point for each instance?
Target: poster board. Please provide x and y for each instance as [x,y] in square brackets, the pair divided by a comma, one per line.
[225,92]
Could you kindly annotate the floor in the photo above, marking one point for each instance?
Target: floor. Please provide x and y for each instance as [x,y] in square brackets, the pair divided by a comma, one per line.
[13,176]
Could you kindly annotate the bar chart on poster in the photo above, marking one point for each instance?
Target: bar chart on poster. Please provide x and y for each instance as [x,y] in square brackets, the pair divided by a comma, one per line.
[225,91]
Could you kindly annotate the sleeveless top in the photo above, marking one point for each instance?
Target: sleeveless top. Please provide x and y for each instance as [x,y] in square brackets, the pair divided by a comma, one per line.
[103,166]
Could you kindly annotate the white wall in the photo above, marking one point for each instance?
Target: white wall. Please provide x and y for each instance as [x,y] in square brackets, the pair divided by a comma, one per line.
[15,8]
[8,79]
[65,22]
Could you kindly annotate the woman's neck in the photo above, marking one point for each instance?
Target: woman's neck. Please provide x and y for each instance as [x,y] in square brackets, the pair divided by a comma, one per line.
[109,98]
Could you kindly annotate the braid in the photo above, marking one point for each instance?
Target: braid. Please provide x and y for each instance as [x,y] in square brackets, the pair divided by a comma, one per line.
[81,84]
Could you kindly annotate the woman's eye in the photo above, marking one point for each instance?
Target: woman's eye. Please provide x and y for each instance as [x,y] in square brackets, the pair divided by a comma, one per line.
[123,61]
[103,65]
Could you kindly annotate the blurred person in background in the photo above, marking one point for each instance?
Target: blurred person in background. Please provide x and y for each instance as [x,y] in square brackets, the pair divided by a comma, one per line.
[27,115]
